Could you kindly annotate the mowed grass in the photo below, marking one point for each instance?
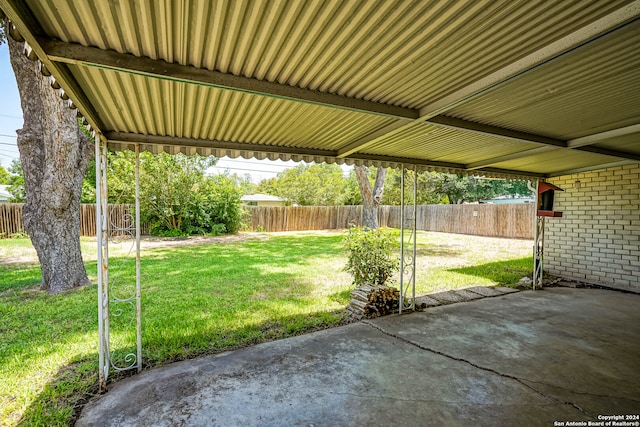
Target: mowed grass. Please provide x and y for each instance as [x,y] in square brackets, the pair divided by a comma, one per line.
[198,300]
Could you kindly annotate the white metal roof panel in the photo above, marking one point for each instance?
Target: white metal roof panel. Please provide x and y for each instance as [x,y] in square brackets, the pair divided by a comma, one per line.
[598,83]
[397,52]
[424,140]
[152,106]
[353,80]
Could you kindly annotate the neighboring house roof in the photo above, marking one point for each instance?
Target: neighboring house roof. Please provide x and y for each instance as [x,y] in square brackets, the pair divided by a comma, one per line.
[261,198]
[4,193]
[508,200]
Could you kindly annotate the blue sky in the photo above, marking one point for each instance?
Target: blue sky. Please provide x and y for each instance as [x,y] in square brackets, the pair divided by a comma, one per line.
[11,119]
[10,111]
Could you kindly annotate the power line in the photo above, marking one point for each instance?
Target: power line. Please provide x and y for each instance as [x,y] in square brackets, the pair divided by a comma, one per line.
[257,162]
[11,117]
[8,157]
[11,144]
[8,152]
[246,170]
[8,136]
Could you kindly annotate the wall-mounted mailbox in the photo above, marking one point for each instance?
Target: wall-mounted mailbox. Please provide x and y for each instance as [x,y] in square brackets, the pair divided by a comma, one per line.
[546,193]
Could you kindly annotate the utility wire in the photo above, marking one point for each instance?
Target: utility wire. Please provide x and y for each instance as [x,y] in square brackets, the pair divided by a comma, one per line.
[247,170]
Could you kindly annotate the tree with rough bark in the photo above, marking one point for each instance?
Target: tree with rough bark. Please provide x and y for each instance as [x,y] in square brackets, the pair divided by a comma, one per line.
[54,153]
[371,196]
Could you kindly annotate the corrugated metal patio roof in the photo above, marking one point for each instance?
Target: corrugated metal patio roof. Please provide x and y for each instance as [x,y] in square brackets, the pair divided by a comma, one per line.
[497,88]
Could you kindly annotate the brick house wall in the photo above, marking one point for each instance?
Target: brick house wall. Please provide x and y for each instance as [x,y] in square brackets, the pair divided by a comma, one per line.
[598,238]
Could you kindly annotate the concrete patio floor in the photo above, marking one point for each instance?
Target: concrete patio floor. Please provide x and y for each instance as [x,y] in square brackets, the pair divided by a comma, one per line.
[529,358]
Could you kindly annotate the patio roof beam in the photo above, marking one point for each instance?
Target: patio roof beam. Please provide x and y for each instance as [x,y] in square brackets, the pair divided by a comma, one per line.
[489,130]
[550,143]
[568,43]
[133,138]
[591,168]
[599,137]
[76,54]
[507,157]
[575,144]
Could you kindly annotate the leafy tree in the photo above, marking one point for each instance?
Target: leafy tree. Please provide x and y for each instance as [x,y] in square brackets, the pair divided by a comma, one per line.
[309,185]
[428,193]
[371,194]
[437,188]
[54,154]
[4,176]
[176,196]
[16,182]
[268,186]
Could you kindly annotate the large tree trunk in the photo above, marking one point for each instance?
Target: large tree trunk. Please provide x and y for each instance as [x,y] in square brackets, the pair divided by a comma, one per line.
[54,155]
[371,198]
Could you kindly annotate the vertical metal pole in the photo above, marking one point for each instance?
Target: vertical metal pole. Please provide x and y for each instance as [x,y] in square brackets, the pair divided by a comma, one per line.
[138,301]
[538,268]
[401,303]
[538,245]
[99,214]
[415,232]
[104,267]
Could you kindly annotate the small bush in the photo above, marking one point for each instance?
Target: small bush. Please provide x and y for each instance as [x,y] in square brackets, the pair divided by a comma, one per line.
[372,255]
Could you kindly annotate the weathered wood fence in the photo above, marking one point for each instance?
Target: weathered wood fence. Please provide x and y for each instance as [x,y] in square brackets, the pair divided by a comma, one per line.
[508,220]
[119,216]
[500,220]
[10,219]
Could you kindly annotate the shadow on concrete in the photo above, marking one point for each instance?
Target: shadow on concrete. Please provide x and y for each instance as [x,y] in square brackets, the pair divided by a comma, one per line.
[529,358]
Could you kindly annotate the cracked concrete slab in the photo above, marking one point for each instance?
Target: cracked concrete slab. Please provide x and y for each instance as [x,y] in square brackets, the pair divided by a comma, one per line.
[529,358]
[583,342]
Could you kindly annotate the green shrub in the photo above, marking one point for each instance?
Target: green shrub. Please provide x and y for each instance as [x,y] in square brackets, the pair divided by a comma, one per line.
[372,255]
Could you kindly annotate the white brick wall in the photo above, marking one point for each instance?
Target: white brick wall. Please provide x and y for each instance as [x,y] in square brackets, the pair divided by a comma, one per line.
[598,238]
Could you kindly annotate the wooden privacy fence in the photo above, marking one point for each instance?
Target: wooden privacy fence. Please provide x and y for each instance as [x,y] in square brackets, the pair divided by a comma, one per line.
[120,216]
[10,219]
[500,220]
[508,220]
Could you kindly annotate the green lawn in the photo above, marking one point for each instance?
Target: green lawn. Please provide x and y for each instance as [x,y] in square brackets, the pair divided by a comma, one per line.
[197,300]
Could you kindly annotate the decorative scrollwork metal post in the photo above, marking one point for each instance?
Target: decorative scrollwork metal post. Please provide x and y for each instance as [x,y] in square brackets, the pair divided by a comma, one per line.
[538,253]
[103,260]
[407,247]
[116,295]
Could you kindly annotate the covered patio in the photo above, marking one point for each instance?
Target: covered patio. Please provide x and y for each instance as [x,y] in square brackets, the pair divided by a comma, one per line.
[533,90]
[529,358]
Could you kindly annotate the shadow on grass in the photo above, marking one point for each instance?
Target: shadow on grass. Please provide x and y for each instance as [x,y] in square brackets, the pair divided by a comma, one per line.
[197,300]
[501,272]
[62,399]
[17,276]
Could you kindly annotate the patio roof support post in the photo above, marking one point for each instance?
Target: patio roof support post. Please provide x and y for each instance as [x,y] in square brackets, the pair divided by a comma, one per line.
[401,303]
[538,258]
[408,249]
[103,260]
[538,247]
[415,232]
[138,292]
